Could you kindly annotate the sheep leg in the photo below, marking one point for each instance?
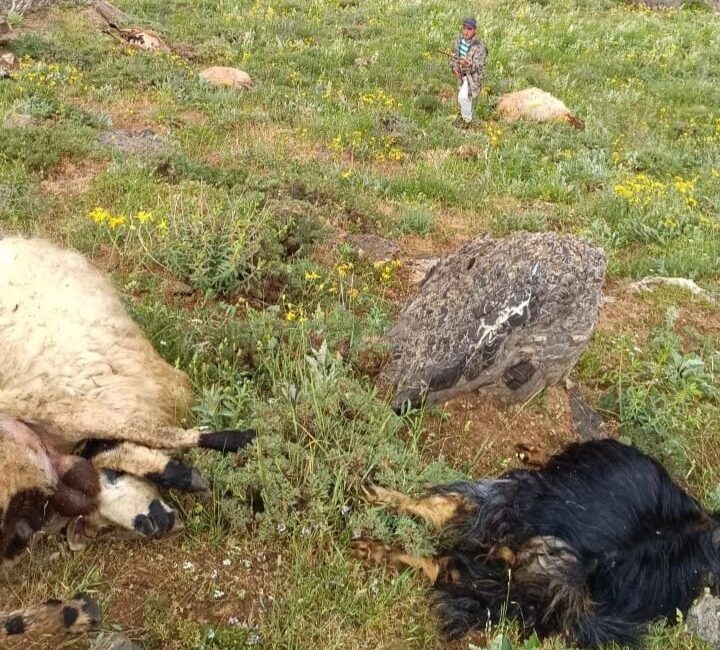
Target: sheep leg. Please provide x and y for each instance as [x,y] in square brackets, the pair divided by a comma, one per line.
[141,461]
[72,423]
[376,553]
[167,437]
[436,510]
[76,615]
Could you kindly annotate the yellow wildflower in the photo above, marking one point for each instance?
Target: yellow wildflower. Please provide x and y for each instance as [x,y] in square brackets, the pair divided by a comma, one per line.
[100,215]
[344,268]
[312,276]
[116,222]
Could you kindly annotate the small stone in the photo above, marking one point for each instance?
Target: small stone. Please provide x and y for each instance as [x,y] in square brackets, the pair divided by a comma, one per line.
[420,267]
[587,422]
[223,76]
[115,641]
[6,194]
[177,288]
[19,120]
[376,248]
[703,621]
[145,142]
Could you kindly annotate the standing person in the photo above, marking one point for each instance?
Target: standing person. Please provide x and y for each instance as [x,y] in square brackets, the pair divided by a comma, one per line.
[468,65]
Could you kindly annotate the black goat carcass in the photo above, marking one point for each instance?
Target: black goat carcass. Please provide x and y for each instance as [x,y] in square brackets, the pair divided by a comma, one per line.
[593,546]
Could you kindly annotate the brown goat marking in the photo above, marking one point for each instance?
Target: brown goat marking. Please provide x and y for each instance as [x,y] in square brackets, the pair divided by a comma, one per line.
[76,615]
[437,510]
[375,552]
[542,566]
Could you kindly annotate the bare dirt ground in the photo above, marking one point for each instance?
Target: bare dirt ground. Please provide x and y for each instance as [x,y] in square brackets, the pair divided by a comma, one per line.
[137,580]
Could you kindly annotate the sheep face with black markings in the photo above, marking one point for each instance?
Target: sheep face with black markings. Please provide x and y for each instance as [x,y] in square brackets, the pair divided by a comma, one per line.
[86,406]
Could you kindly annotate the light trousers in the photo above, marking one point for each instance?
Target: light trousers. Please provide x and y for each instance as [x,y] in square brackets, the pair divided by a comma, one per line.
[465,100]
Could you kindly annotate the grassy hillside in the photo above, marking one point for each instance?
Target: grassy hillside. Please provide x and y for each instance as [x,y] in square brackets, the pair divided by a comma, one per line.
[349,129]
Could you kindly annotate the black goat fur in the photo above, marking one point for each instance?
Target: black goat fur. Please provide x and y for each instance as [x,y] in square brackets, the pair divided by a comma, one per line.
[595,545]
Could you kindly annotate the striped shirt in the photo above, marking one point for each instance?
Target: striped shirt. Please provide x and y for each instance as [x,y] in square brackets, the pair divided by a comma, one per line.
[464,48]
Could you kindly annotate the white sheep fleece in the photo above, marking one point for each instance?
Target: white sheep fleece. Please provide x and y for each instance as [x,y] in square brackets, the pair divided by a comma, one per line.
[532,104]
[70,355]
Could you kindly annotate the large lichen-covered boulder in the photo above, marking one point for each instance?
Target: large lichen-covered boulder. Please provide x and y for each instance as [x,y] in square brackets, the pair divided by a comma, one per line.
[23,6]
[510,316]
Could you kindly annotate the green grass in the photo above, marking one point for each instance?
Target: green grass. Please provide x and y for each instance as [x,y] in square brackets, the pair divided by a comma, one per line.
[349,129]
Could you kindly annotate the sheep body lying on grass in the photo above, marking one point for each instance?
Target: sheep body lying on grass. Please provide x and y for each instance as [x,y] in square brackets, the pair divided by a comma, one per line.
[86,405]
[535,104]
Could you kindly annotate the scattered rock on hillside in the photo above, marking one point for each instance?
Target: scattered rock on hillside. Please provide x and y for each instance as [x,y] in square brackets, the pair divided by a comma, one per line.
[703,620]
[7,64]
[145,142]
[650,283]
[420,267]
[586,422]
[222,76]
[374,247]
[6,193]
[23,6]
[113,641]
[177,288]
[675,4]
[19,120]
[509,316]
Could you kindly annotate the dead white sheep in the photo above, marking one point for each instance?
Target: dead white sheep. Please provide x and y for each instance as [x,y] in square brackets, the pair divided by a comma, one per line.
[535,104]
[86,406]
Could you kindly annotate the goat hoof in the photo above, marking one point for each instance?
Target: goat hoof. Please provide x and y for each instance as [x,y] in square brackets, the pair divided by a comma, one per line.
[376,494]
[368,550]
[531,455]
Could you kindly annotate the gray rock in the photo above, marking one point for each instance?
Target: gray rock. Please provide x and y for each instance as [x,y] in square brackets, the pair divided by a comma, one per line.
[420,267]
[510,316]
[145,142]
[23,6]
[703,620]
[177,288]
[6,194]
[676,4]
[114,641]
[19,120]
[587,422]
[375,247]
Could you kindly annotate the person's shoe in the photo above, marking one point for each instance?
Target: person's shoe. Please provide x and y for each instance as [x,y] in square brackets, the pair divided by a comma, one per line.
[463,124]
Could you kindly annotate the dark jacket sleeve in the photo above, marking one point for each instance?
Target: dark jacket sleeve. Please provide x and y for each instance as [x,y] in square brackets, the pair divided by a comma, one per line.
[478,56]
[456,52]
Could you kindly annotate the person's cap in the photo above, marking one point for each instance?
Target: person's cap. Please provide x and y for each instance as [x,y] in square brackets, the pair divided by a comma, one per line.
[469,22]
